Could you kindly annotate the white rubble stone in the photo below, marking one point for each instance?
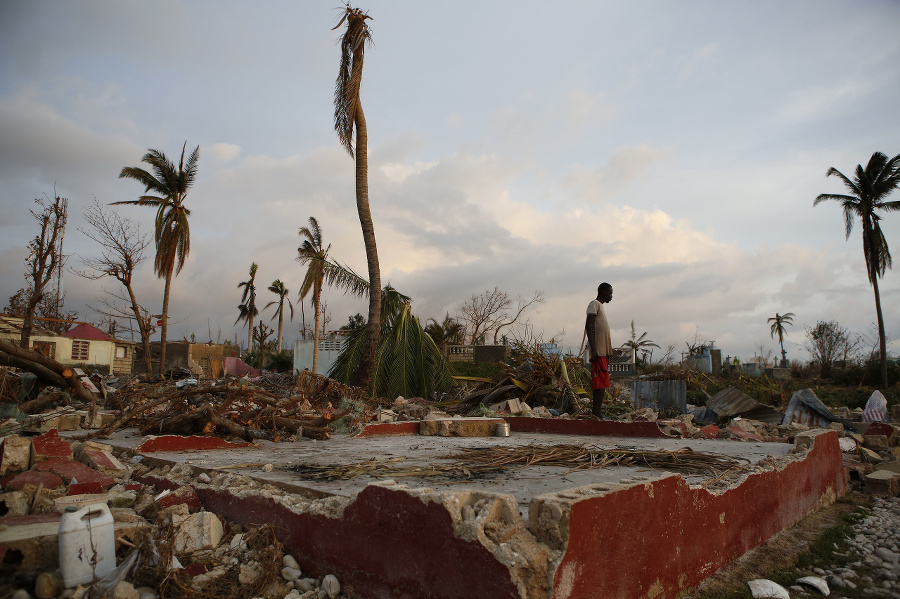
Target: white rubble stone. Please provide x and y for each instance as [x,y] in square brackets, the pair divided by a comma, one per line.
[202,530]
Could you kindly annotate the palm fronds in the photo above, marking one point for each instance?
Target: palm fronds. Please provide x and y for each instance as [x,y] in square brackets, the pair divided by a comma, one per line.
[486,460]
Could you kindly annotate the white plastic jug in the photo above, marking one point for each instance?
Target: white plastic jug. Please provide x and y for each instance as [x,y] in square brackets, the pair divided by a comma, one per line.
[87,544]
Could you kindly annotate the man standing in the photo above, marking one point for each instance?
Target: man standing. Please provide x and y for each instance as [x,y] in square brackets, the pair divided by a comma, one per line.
[596,328]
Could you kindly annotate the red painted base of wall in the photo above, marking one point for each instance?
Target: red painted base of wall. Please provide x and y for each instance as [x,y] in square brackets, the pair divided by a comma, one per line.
[177,443]
[561,426]
[658,539]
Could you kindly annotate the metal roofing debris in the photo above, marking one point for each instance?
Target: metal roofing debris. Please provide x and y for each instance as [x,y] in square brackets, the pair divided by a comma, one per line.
[806,408]
[659,395]
[731,402]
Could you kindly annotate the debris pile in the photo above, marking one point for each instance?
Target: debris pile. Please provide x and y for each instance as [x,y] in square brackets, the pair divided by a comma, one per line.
[165,544]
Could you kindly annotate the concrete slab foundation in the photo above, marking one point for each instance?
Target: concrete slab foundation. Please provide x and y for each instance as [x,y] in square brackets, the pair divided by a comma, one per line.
[533,532]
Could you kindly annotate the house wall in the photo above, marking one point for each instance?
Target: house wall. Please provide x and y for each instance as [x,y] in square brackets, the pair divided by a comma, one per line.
[328,353]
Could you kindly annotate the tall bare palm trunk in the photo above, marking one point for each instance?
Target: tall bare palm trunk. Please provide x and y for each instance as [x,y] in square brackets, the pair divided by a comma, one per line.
[165,324]
[317,296]
[280,326]
[365,372]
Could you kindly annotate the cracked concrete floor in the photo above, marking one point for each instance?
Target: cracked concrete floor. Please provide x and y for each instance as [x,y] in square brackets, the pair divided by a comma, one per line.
[523,483]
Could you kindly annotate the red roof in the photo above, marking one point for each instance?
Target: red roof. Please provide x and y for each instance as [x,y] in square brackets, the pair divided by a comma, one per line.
[86,331]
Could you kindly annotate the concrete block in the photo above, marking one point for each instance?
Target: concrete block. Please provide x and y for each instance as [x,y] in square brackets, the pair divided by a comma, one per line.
[183,495]
[869,456]
[512,405]
[16,482]
[15,454]
[891,431]
[49,445]
[41,423]
[15,503]
[69,422]
[744,435]
[75,472]
[890,466]
[895,413]
[102,461]
[460,427]
[884,483]
[875,442]
[710,431]
[196,532]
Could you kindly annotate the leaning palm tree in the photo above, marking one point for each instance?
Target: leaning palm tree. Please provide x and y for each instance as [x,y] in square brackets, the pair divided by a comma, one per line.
[247,306]
[321,270]
[868,190]
[778,329]
[278,288]
[638,344]
[348,113]
[173,236]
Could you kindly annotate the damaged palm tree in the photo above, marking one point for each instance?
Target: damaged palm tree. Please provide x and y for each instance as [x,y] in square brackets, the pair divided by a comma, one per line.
[348,113]
[408,362]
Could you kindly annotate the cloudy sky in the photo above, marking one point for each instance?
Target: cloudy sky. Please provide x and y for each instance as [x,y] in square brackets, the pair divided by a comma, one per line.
[673,149]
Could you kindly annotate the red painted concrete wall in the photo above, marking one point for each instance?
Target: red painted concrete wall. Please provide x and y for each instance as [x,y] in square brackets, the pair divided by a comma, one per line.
[559,426]
[653,541]
[388,544]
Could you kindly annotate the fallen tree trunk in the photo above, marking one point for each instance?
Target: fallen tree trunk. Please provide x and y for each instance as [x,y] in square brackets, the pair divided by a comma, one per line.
[45,375]
[34,358]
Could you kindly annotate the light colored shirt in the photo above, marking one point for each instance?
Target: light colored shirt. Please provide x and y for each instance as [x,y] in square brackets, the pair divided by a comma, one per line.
[602,339]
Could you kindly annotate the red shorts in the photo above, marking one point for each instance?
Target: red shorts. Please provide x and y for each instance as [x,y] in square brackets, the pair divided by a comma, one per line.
[600,373]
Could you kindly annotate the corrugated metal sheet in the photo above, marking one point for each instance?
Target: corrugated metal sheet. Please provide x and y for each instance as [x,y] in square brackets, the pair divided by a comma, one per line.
[732,402]
[806,408]
[658,395]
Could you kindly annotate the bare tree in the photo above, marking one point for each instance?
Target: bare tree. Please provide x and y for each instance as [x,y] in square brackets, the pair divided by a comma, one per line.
[117,306]
[491,311]
[44,257]
[829,341]
[49,310]
[123,251]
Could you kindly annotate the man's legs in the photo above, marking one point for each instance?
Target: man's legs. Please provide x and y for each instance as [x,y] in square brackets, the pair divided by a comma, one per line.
[599,383]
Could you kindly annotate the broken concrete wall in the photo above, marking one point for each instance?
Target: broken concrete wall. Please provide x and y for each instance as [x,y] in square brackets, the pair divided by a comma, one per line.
[660,538]
[649,538]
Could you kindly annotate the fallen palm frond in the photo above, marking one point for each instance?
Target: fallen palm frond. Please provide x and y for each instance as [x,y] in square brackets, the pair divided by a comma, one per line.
[580,457]
[484,460]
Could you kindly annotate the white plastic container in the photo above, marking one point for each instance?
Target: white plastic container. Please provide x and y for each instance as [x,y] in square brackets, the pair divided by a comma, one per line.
[87,544]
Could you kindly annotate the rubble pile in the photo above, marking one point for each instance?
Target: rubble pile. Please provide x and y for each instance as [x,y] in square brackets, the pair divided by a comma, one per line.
[165,543]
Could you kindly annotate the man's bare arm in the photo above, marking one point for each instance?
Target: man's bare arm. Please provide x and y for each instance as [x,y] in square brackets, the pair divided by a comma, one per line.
[589,324]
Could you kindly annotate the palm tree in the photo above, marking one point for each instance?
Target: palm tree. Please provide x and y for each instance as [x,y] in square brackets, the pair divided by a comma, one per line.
[173,236]
[321,270]
[248,303]
[348,113]
[408,361]
[278,288]
[778,329]
[868,191]
[638,344]
[448,332]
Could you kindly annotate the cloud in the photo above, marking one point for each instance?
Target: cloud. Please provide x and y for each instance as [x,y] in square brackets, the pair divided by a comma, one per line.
[822,101]
[222,152]
[627,166]
[700,58]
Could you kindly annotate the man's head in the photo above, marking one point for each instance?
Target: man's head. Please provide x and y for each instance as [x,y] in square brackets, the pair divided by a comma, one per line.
[604,293]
